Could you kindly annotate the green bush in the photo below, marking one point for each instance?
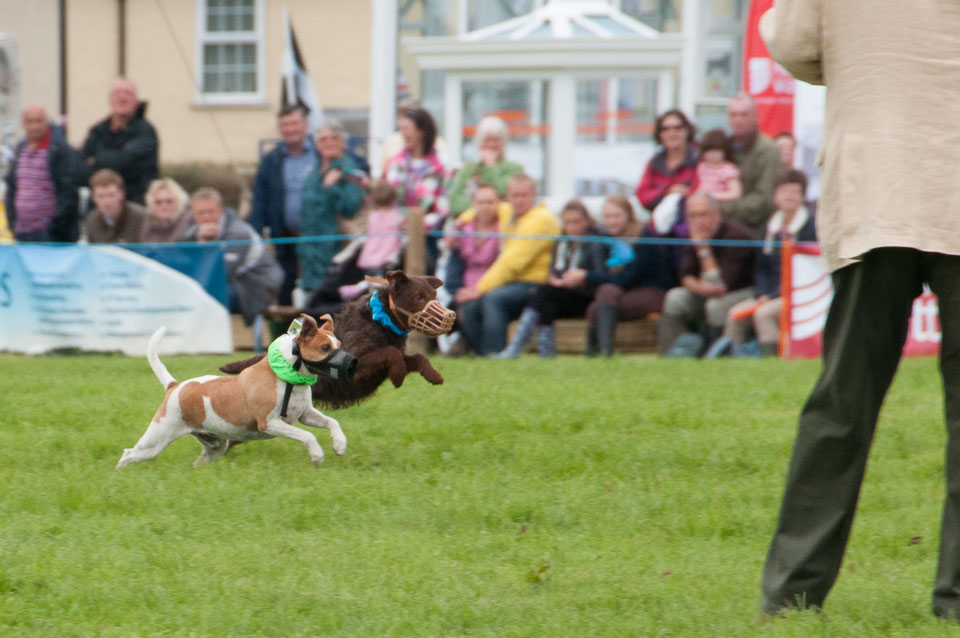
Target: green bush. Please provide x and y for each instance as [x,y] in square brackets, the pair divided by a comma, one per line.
[230,181]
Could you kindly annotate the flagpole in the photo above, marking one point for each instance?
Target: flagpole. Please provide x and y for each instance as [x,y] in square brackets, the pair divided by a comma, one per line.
[383,79]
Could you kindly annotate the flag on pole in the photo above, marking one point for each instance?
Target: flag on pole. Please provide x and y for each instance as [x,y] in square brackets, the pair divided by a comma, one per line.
[296,86]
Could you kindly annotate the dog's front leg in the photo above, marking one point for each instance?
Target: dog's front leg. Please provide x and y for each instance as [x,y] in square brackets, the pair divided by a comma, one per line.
[278,427]
[388,357]
[317,419]
[419,363]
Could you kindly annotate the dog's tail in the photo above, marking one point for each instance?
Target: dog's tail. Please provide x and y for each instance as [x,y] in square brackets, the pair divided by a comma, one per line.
[155,364]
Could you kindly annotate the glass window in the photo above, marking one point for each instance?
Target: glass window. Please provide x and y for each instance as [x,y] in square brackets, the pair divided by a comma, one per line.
[230,39]
[723,48]
[522,105]
[615,118]
[723,58]
[662,15]
[230,15]
[483,13]
[229,68]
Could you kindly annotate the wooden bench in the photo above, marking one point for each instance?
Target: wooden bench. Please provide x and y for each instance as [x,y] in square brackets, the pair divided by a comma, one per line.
[242,334]
[631,336]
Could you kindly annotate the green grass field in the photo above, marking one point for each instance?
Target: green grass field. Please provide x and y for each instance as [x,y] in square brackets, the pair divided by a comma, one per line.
[631,497]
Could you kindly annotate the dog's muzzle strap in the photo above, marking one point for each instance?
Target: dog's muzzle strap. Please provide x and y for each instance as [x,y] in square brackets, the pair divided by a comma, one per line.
[432,320]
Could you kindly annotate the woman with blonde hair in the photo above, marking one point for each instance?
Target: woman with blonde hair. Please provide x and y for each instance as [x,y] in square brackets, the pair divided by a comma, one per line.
[168,219]
[633,283]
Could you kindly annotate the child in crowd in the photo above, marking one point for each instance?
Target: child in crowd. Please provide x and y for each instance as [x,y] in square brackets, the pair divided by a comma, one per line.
[557,299]
[382,245]
[762,313]
[717,175]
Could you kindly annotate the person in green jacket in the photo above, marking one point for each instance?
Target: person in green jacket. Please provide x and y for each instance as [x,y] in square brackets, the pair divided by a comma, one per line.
[492,168]
[758,159]
[333,189]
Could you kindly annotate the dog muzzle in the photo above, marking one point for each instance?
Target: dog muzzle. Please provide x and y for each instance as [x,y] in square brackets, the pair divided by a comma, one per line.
[339,365]
[432,320]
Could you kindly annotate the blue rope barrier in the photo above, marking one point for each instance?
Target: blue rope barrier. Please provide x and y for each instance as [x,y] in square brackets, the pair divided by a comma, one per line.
[313,239]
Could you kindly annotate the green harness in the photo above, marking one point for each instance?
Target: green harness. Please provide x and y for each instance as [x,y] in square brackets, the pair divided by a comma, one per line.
[283,368]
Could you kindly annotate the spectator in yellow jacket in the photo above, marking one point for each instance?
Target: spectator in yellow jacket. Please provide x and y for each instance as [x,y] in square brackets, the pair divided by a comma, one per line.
[501,293]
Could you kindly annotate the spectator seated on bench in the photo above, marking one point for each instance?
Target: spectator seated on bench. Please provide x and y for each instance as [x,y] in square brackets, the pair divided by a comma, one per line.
[713,278]
[632,285]
[168,213]
[761,314]
[558,298]
[524,262]
[253,275]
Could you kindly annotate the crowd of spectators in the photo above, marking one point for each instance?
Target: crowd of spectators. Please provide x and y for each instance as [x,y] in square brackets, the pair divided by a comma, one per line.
[499,255]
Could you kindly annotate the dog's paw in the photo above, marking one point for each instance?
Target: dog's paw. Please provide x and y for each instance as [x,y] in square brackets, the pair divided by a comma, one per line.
[396,378]
[339,443]
[433,377]
[317,459]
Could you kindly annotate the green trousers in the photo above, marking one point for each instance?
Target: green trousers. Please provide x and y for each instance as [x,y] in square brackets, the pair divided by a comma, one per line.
[862,342]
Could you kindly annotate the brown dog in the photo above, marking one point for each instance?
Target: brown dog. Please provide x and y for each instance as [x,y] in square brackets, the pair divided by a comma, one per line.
[374,330]
[216,410]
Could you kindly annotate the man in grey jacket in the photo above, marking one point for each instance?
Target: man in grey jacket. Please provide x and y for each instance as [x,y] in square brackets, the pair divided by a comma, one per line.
[253,274]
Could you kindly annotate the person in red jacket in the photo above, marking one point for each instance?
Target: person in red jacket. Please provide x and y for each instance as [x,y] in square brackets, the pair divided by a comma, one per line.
[674,168]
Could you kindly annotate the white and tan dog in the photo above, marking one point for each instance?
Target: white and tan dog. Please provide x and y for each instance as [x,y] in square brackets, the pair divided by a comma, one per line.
[217,410]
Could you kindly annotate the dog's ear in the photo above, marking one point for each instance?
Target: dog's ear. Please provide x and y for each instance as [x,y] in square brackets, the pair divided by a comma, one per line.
[433,281]
[309,325]
[326,324]
[397,278]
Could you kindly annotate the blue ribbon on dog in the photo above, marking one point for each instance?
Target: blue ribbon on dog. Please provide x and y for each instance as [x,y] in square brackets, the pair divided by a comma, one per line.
[380,315]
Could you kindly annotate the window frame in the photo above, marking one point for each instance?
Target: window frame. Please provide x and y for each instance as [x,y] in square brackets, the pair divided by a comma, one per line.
[256,37]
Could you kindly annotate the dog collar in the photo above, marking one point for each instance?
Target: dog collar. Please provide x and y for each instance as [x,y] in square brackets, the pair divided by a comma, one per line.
[283,368]
[381,316]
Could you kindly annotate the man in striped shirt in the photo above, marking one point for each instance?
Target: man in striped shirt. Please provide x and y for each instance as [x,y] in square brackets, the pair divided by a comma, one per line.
[41,200]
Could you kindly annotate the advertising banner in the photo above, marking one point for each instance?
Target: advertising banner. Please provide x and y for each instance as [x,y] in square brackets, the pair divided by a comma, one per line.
[103,298]
[768,82]
[807,292]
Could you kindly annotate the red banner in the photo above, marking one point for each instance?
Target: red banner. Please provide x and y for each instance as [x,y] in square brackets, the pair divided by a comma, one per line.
[807,291]
[768,82]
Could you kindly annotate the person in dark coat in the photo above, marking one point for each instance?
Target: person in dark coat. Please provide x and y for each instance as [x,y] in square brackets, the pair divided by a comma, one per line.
[124,142]
[278,191]
[632,285]
[41,183]
[713,278]
[555,300]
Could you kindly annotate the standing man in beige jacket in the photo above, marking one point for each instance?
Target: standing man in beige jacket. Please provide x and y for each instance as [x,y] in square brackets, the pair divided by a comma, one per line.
[887,224]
